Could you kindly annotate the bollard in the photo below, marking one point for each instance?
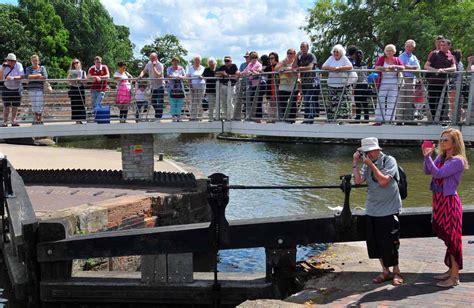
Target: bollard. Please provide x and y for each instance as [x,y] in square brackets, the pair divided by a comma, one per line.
[160,156]
[218,190]
[346,215]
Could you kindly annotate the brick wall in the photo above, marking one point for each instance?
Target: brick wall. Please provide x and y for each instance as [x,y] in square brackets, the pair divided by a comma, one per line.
[137,156]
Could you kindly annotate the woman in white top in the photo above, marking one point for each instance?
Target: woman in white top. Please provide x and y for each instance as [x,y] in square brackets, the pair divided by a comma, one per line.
[337,65]
[123,90]
[197,85]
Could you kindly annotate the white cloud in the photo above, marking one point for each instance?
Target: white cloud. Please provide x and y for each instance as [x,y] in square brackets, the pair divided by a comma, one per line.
[215,27]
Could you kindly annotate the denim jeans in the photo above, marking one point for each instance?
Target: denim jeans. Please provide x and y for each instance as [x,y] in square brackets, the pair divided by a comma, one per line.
[97,97]
[157,98]
[311,103]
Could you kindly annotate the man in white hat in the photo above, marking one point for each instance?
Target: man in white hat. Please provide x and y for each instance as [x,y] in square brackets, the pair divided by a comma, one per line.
[12,73]
[383,206]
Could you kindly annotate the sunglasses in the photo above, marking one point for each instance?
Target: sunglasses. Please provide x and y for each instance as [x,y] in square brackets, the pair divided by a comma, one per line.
[75,62]
[226,60]
[444,139]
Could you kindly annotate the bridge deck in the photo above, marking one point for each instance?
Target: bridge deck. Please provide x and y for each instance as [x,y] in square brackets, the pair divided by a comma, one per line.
[317,130]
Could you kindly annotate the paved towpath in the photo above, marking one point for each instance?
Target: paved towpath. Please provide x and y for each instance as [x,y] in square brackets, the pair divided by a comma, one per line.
[350,284]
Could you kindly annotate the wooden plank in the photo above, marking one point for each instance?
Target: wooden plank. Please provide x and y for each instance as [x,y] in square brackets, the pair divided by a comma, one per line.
[16,271]
[153,269]
[30,238]
[52,231]
[180,267]
[103,290]
[275,232]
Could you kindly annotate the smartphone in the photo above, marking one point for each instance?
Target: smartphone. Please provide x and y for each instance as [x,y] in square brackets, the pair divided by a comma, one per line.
[427,144]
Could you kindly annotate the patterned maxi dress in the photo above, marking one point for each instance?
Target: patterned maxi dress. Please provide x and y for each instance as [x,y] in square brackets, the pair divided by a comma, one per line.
[447,221]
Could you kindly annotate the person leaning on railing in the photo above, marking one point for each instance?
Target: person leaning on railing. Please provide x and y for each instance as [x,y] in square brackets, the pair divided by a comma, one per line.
[12,73]
[77,76]
[453,81]
[286,101]
[337,65]
[252,71]
[470,64]
[155,70]
[305,64]
[228,74]
[406,99]
[210,74]
[361,90]
[440,62]
[272,87]
[99,73]
[389,67]
[36,74]
[176,74]
[123,97]
[197,85]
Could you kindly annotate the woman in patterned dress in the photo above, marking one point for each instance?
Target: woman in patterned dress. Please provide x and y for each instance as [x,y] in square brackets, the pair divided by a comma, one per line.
[446,171]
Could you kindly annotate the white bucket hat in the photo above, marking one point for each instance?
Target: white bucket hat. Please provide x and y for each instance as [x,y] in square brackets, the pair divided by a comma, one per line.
[11,56]
[369,144]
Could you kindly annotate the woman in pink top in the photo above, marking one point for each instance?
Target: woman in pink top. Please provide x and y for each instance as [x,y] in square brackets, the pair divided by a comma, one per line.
[253,70]
[388,89]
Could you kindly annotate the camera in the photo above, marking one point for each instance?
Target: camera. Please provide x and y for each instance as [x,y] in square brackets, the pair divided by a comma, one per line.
[361,154]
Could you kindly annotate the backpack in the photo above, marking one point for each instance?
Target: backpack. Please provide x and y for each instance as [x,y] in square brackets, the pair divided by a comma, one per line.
[401,181]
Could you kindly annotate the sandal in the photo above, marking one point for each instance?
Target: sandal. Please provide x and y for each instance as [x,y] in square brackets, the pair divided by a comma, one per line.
[442,276]
[15,124]
[397,279]
[449,283]
[382,277]
[4,125]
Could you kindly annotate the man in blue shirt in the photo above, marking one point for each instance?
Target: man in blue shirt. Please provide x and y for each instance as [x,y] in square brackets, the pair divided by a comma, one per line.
[406,107]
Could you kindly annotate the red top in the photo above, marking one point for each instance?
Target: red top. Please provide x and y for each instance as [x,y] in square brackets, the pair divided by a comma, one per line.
[102,71]
[380,62]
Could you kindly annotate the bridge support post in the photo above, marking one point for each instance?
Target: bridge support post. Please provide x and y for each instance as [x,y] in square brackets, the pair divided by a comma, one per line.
[137,157]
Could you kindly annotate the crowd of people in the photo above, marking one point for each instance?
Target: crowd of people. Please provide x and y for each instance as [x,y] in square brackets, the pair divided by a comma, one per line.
[283,84]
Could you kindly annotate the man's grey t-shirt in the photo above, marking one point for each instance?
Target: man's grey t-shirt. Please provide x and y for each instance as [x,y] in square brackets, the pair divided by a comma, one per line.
[156,83]
[382,201]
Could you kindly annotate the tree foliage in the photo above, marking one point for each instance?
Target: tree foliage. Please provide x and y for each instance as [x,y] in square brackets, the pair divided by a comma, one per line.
[372,24]
[93,32]
[48,37]
[167,47]
[14,34]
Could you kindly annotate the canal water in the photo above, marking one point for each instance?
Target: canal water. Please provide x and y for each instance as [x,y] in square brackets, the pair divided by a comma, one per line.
[272,163]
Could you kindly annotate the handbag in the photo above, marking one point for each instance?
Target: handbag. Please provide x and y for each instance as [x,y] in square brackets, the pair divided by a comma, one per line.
[47,88]
[352,77]
[177,91]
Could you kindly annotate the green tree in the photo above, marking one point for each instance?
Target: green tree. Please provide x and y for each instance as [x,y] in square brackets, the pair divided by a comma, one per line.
[371,25]
[14,34]
[48,37]
[167,47]
[93,32]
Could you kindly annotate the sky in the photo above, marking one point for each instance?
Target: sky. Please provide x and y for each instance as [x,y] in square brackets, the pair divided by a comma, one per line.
[214,27]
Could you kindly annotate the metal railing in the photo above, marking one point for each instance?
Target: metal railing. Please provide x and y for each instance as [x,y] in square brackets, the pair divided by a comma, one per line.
[359,96]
